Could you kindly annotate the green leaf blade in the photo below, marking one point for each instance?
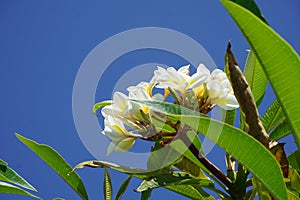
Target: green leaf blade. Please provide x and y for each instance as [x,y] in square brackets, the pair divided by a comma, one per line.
[274,54]
[235,142]
[107,186]
[57,163]
[7,188]
[123,188]
[9,175]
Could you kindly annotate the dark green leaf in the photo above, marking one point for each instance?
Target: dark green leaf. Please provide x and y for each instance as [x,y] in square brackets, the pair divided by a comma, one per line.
[9,175]
[252,7]
[57,163]
[280,131]
[146,194]
[123,188]
[7,188]
[107,187]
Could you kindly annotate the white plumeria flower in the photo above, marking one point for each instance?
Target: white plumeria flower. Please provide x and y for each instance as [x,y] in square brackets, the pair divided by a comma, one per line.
[220,91]
[179,80]
[121,138]
[139,92]
[119,107]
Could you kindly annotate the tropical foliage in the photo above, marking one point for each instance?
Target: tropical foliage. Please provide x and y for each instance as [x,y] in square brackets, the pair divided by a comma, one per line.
[172,110]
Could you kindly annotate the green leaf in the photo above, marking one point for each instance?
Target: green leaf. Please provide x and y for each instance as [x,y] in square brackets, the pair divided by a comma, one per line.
[280,131]
[295,180]
[235,142]
[252,7]
[292,195]
[274,54]
[11,189]
[294,160]
[136,172]
[2,162]
[107,187]
[9,175]
[175,178]
[186,190]
[255,77]
[273,116]
[57,163]
[123,188]
[261,190]
[101,104]
[146,194]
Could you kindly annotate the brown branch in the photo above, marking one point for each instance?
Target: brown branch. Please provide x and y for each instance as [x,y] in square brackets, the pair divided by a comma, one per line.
[244,96]
[209,165]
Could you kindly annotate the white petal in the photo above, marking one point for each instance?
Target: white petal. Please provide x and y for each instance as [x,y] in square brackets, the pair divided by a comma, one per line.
[203,70]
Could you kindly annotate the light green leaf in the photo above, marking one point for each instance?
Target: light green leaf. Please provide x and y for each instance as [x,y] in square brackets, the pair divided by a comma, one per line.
[255,77]
[107,187]
[9,175]
[101,104]
[7,188]
[273,116]
[123,188]
[57,163]
[294,160]
[235,142]
[295,180]
[274,54]
[292,195]
[280,131]
[2,162]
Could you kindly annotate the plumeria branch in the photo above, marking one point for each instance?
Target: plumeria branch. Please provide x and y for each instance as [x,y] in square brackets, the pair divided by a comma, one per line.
[209,165]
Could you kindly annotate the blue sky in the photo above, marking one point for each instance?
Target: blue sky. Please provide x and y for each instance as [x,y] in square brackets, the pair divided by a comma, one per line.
[43,44]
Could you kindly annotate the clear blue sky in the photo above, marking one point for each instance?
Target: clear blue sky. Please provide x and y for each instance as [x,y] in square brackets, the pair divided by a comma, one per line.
[42,45]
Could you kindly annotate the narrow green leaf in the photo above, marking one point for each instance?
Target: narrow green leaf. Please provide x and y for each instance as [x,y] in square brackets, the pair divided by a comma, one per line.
[280,131]
[9,175]
[294,160]
[101,104]
[136,172]
[7,188]
[274,54]
[2,162]
[57,163]
[255,77]
[235,142]
[273,116]
[123,188]
[107,187]
[146,194]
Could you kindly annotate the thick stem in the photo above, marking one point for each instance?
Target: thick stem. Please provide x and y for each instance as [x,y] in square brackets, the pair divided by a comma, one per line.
[209,165]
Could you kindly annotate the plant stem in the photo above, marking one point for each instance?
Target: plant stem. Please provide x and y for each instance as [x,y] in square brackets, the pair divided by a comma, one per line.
[209,165]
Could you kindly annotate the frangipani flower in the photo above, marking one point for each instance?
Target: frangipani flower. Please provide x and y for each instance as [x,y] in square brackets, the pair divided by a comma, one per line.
[178,80]
[220,91]
[121,138]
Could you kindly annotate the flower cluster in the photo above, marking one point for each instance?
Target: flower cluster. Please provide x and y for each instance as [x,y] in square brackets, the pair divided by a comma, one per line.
[126,120]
